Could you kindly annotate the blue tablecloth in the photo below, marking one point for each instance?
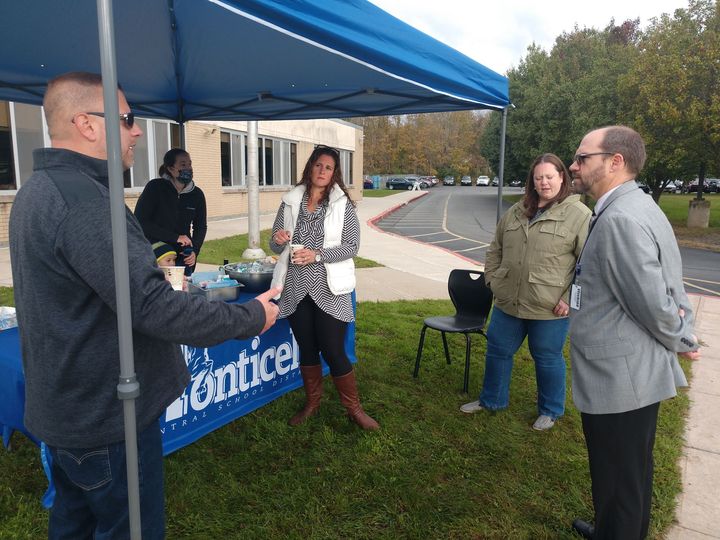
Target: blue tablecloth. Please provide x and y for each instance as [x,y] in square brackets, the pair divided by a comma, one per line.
[12,386]
[228,381]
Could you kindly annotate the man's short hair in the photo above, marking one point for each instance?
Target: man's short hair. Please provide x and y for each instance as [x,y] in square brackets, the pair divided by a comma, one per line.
[627,142]
[69,94]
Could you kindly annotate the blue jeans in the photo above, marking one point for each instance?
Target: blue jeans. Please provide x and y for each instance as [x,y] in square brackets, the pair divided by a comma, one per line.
[545,339]
[91,500]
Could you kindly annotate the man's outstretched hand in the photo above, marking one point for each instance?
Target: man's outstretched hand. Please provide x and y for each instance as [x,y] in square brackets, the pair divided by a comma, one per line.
[271,309]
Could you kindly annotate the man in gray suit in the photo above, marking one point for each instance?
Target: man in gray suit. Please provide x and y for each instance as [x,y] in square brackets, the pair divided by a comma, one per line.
[629,319]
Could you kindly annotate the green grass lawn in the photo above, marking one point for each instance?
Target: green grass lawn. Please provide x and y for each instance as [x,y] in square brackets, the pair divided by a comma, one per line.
[430,472]
[675,207]
[378,192]
[6,296]
[232,248]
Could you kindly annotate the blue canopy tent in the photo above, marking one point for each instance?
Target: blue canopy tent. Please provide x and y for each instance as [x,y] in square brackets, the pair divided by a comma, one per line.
[232,60]
[246,60]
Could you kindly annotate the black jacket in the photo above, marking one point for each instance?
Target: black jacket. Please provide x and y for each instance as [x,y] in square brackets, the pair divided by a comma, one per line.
[62,266]
[165,214]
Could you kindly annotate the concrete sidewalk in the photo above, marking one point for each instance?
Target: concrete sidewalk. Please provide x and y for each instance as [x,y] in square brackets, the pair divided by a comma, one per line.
[414,270]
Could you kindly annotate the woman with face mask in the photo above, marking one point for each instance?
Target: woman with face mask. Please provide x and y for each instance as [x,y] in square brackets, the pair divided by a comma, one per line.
[172,208]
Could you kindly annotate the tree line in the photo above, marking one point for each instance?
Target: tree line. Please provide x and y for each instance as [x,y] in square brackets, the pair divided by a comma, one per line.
[663,81]
[425,144]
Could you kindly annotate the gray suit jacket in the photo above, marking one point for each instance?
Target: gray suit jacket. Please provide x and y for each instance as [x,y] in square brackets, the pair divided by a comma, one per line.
[625,335]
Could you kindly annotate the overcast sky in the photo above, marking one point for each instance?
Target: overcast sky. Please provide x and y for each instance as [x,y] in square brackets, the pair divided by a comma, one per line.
[498,33]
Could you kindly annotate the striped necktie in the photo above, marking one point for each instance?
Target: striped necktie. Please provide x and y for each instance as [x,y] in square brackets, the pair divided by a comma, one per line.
[593,217]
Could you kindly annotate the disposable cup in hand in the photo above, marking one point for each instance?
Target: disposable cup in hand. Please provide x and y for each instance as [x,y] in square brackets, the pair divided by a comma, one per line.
[293,249]
[175,275]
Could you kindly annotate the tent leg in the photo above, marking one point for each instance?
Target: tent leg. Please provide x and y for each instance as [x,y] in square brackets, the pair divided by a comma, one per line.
[128,387]
[502,163]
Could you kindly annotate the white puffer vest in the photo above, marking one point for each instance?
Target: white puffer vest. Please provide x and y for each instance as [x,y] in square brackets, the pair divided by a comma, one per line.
[340,275]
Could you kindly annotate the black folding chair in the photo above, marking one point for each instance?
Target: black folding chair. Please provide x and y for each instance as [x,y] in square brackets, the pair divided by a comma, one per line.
[472,300]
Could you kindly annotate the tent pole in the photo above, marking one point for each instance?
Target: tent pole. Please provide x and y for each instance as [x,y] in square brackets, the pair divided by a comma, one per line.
[253,251]
[128,387]
[502,164]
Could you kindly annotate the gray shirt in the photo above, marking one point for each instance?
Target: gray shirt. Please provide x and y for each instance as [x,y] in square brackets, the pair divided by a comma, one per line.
[62,263]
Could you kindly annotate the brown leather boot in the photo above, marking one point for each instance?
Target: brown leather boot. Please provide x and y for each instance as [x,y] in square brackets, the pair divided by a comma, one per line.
[347,389]
[313,384]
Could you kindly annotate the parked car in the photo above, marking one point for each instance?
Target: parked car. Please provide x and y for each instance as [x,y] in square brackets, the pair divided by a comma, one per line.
[400,183]
[449,181]
[368,184]
[709,186]
[674,186]
[424,182]
[515,183]
[495,181]
[466,181]
[483,181]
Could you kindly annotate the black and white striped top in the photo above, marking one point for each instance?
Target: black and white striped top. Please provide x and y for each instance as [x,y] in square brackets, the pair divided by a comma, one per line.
[312,278]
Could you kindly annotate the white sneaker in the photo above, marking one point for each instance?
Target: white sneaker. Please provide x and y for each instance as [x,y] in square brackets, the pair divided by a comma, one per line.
[543,423]
[472,407]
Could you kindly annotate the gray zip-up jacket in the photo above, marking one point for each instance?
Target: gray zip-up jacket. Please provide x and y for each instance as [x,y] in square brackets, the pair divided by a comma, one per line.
[62,263]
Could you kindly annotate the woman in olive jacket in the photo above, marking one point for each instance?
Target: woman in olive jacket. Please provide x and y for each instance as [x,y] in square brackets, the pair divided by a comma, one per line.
[530,266]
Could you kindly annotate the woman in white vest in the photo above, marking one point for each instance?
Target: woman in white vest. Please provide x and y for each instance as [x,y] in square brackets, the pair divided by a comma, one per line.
[319,219]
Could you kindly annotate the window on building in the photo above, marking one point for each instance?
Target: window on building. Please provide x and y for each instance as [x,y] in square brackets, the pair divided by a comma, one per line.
[232,158]
[225,167]
[161,132]
[141,173]
[23,129]
[238,159]
[266,179]
[346,166]
[174,136]
[21,132]
[277,160]
[7,162]
[293,163]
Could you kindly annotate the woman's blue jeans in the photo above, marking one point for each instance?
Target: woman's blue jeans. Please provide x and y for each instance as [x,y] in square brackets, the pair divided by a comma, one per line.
[545,339]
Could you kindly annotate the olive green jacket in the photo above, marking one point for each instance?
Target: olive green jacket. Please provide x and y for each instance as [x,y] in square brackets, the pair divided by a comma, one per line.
[530,266]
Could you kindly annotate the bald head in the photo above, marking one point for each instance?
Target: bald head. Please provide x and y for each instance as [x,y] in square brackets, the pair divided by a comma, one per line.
[68,95]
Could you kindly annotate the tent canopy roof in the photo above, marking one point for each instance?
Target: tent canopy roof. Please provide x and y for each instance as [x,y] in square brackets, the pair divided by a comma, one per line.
[246,59]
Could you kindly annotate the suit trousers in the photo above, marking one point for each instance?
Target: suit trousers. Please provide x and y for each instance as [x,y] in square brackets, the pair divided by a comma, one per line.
[620,452]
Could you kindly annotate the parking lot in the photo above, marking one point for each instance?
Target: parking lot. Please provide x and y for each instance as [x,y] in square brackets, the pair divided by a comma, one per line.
[462,219]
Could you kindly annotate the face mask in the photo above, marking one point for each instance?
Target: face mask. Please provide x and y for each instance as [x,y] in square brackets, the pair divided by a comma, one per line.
[185,176]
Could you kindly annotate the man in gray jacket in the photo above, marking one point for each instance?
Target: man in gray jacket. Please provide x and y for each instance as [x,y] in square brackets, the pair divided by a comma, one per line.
[629,318]
[62,265]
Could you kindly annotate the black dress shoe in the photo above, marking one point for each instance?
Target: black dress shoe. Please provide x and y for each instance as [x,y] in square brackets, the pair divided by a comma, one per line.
[583,528]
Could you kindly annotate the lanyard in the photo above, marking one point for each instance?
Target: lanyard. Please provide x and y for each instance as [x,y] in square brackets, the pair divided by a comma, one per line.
[593,223]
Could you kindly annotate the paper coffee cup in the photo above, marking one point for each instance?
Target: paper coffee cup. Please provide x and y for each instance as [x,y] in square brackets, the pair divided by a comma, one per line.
[175,275]
[293,249]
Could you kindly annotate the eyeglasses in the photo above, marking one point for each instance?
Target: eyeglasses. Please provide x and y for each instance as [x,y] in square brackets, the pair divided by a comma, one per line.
[128,118]
[580,158]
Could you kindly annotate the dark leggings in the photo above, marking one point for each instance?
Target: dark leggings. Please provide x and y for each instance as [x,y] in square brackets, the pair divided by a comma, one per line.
[317,332]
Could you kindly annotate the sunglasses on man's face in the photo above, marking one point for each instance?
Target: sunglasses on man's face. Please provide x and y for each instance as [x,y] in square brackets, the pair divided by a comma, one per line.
[128,118]
[580,158]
